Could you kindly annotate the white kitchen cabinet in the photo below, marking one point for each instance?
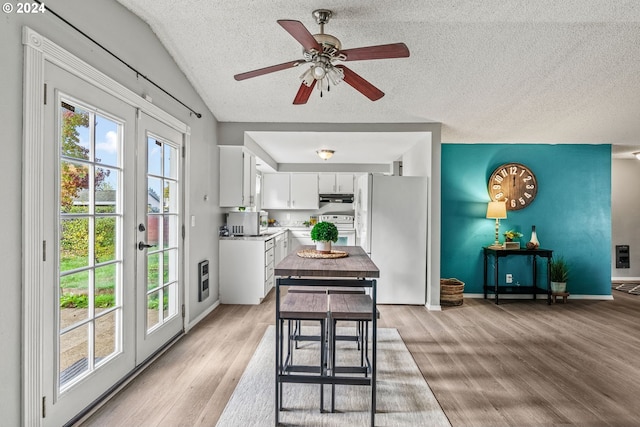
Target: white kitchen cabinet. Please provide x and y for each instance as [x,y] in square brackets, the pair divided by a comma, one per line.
[275,191]
[300,238]
[237,177]
[246,270]
[281,246]
[304,191]
[290,191]
[335,183]
[345,183]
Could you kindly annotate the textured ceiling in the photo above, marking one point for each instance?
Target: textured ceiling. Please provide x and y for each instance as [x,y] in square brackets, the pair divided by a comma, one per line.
[496,71]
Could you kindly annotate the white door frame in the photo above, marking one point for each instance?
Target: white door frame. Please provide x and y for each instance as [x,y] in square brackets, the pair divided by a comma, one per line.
[37,50]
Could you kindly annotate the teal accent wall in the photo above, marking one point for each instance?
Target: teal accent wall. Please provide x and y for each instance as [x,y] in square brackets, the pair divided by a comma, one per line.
[571,212]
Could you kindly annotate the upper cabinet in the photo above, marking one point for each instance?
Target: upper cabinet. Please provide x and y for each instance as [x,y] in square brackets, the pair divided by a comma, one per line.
[304,191]
[290,191]
[237,176]
[336,183]
[275,191]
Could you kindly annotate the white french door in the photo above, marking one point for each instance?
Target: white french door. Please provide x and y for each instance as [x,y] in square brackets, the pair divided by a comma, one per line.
[159,233]
[112,221]
[90,278]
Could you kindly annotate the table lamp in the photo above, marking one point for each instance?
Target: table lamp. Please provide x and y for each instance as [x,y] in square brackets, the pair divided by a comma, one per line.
[497,211]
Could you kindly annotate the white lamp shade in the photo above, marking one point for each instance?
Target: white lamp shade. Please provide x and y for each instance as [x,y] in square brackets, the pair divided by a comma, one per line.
[496,210]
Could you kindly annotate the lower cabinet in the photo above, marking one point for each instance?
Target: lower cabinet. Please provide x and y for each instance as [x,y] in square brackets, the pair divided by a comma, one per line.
[282,246]
[246,270]
[300,238]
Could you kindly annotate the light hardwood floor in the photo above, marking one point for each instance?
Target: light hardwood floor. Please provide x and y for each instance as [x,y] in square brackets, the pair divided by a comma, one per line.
[521,363]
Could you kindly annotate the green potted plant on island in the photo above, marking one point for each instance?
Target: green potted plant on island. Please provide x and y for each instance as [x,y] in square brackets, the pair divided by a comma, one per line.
[323,233]
[559,274]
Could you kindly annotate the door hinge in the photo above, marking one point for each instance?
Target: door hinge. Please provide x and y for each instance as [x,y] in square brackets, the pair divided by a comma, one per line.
[45,94]
[44,250]
[183,231]
[183,311]
[44,406]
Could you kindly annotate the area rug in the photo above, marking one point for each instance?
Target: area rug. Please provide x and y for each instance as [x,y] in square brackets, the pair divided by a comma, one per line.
[403,396]
[630,288]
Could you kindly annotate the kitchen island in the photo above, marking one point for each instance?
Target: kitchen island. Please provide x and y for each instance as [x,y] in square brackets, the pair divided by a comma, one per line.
[355,270]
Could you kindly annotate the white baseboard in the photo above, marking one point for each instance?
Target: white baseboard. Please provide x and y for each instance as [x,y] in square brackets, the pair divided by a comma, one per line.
[202,315]
[625,279]
[433,307]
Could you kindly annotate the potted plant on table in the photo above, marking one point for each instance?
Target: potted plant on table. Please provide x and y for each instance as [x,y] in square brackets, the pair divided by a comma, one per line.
[512,234]
[559,274]
[323,233]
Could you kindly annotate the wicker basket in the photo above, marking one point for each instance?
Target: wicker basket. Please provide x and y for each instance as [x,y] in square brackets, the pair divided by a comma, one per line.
[451,291]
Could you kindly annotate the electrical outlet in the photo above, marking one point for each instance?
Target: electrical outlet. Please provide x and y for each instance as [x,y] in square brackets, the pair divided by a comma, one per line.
[509,278]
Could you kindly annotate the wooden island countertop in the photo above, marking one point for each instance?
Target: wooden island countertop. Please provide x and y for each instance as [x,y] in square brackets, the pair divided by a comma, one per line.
[357,264]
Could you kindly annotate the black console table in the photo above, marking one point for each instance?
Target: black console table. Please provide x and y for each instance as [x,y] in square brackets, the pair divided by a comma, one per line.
[533,288]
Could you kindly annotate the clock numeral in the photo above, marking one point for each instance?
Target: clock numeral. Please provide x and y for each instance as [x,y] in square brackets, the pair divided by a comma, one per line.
[521,200]
[496,186]
[513,170]
[513,203]
[522,172]
[528,178]
[498,196]
[498,178]
[527,195]
[530,187]
[504,172]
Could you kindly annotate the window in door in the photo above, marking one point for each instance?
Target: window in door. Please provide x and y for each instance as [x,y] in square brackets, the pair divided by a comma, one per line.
[163,224]
[89,245]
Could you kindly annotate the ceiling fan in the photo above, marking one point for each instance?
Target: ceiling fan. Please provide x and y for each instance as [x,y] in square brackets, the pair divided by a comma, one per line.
[321,51]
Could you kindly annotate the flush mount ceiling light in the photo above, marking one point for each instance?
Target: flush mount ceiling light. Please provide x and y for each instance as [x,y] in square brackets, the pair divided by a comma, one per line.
[325,154]
[637,155]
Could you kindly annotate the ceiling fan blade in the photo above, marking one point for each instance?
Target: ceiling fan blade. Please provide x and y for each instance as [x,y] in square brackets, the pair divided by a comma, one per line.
[383,51]
[300,33]
[360,84]
[267,70]
[304,93]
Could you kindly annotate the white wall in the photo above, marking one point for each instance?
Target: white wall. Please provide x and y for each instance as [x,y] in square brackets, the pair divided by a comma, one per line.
[123,33]
[625,217]
[417,161]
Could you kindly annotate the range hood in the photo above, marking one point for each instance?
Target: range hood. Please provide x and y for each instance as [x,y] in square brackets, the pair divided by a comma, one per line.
[336,198]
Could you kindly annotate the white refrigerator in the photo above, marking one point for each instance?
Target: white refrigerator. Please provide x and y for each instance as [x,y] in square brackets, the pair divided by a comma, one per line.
[391,226]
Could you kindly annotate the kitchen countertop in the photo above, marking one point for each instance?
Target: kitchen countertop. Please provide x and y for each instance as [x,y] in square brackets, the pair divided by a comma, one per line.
[271,232]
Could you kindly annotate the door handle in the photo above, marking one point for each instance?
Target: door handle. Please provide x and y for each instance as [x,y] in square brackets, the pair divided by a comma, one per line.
[143,245]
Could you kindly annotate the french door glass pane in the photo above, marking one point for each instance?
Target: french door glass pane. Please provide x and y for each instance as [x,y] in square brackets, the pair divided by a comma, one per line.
[74,352]
[90,243]
[104,293]
[162,231]
[153,309]
[105,333]
[106,239]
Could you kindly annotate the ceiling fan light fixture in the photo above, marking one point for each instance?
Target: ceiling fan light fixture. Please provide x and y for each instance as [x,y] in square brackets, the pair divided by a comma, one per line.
[325,154]
[318,72]
[335,75]
[307,77]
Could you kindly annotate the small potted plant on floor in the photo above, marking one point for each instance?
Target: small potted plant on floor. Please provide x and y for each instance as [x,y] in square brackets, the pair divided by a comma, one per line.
[323,233]
[559,274]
